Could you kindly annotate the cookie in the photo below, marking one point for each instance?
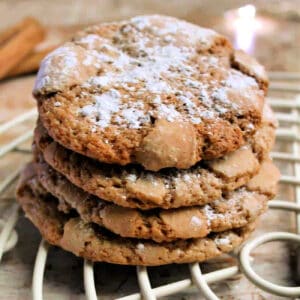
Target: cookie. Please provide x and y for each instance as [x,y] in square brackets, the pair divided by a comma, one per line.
[91,242]
[234,210]
[131,186]
[152,90]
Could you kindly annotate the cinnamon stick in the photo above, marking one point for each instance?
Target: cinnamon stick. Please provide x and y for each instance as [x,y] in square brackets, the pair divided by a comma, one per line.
[18,42]
[9,32]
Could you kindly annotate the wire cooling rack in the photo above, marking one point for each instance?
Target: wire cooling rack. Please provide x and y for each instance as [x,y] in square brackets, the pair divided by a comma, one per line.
[280,83]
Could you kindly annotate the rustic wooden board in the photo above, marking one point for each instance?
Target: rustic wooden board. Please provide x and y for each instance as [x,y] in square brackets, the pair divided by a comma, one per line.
[63,279]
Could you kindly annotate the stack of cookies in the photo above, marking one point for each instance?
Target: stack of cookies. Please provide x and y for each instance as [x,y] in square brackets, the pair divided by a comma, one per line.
[152,144]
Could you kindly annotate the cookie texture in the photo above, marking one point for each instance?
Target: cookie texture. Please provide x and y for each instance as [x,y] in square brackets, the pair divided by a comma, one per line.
[152,90]
[234,210]
[89,241]
[131,186]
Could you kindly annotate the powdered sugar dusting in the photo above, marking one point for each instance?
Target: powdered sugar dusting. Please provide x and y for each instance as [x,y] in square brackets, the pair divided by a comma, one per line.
[108,109]
[196,221]
[140,22]
[195,112]
[65,58]
[140,246]
[187,177]
[99,81]
[68,56]
[211,215]
[168,112]
[133,116]
[156,86]
[171,26]
[105,105]
[146,70]
[220,95]
[222,241]
[90,41]
[131,177]
[155,66]
[238,81]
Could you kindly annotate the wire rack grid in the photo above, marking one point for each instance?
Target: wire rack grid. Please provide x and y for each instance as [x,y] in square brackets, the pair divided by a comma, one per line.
[281,82]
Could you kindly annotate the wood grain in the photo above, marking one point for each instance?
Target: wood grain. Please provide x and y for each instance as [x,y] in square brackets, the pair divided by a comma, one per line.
[19,44]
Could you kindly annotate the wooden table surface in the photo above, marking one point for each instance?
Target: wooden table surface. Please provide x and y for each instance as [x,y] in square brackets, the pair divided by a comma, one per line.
[278,49]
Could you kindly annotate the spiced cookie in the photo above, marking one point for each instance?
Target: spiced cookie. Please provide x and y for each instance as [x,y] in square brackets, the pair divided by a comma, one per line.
[151,90]
[234,210]
[131,186]
[90,241]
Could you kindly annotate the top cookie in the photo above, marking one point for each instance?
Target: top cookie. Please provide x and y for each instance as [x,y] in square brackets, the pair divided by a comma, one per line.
[152,90]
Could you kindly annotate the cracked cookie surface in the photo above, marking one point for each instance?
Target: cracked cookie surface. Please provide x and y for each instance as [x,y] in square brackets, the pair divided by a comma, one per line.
[131,186]
[235,210]
[89,241]
[151,90]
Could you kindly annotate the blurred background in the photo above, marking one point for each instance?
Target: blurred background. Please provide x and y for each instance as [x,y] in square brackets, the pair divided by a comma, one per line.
[267,29]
